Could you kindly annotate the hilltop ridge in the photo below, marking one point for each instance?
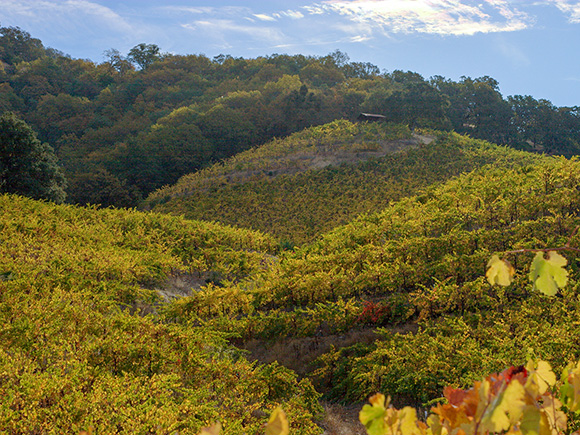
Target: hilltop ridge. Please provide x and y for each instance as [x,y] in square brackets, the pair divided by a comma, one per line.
[302,186]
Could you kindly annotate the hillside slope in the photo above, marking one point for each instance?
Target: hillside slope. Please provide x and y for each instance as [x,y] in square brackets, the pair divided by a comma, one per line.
[416,272]
[313,181]
[395,301]
[82,344]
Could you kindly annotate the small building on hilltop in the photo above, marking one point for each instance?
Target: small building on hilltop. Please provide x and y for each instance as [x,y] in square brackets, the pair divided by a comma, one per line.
[373,117]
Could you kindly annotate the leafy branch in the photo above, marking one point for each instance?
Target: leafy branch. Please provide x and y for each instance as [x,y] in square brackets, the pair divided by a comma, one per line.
[547,272]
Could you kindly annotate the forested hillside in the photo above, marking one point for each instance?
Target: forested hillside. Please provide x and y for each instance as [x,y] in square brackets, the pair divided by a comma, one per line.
[131,124]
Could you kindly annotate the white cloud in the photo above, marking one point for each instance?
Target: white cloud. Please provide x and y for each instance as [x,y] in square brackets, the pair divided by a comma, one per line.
[222,30]
[264,17]
[360,38]
[72,13]
[572,8]
[296,15]
[443,17]
[187,9]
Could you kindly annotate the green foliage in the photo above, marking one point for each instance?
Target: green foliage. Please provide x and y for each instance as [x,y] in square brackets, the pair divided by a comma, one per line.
[416,269]
[101,188]
[381,236]
[27,166]
[144,54]
[16,45]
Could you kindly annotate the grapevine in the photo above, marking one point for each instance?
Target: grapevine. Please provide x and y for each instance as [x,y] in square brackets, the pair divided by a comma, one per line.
[520,400]
[547,272]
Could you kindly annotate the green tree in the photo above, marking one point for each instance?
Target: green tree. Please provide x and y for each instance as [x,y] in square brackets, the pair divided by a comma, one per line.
[117,62]
[16,46]
[101,187]
[63,114]
[144,54]
[28,166]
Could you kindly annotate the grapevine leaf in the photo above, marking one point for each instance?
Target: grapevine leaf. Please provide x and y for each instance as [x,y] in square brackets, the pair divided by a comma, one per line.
[504,409]
[548,274]
[278,423]
[531,421]
[556,418]
[370,413]
[378,400]
[434,424]
[570,389]
[542,377]
[373,417]
[499,271]
[408,421]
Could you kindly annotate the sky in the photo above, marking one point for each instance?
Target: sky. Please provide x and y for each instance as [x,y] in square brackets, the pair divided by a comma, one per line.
[531,47]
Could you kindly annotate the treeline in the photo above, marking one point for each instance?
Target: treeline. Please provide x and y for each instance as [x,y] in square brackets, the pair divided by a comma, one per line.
[131,124]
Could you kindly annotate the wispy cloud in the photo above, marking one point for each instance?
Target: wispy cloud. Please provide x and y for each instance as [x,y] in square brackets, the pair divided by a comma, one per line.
[222,31]
[73,13]
[571,8]
[187,9]
[264,17]
[512,52]
[443,17]
[295,15]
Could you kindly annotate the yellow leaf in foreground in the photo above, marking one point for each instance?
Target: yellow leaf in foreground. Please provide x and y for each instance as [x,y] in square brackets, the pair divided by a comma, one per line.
[504,409]
[408,422]
[541,377]
[373,416]
[278,423]
[499,271]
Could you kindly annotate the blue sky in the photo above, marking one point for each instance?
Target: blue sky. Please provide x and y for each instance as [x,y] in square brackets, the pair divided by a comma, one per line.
[531,47]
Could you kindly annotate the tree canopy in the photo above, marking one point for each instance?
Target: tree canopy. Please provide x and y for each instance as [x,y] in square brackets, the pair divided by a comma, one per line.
[27,166]
[115,117]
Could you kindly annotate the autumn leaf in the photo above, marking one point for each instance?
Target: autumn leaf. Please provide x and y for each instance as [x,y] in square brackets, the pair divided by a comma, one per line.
[533,422]
[570,389]
[542,376]
[373,416]
[555,416]
[408,423]
[504,409]
[278,423]
[547,273]
[499,271]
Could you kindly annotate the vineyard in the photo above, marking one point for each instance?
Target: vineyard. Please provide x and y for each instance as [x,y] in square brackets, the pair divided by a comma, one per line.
[277,188]
[415,272]
[84,345]
[121,321]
